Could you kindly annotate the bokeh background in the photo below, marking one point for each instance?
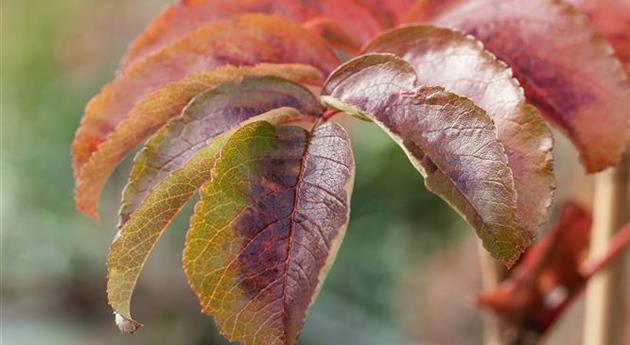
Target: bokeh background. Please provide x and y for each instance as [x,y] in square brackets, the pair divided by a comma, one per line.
[406,274]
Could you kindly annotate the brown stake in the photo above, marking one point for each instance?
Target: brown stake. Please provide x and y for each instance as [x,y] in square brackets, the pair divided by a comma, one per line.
[604,319]
[492,274]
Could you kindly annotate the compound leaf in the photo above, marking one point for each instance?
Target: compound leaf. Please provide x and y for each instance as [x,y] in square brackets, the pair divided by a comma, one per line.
[246,40]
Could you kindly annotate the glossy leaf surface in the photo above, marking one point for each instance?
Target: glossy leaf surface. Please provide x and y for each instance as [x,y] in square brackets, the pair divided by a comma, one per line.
[457,62]
[186,16]
[137,238]
[567,69]
[150,114]
[208,115]
[268,227]
[246,40]
[452,142]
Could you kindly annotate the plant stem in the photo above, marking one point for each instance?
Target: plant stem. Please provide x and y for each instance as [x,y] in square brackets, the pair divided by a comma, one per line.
[492,274]
[604,319]
[618,244]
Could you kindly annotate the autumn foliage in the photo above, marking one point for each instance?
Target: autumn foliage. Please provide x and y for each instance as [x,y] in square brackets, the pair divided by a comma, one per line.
[237,100]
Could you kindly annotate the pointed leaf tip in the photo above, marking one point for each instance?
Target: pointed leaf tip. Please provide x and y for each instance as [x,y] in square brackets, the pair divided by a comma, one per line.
[125,325]
[142,230]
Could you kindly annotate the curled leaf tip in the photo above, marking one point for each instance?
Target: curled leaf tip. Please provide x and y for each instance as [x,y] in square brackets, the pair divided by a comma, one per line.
[125,325]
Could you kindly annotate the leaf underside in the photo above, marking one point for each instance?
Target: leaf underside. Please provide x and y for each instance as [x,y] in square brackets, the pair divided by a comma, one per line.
[178,160]
[449,140]
[210,114]
[567,69]
[139,235]
[184,17]
[245,40]
[153,112]
[267,228]
[457,62]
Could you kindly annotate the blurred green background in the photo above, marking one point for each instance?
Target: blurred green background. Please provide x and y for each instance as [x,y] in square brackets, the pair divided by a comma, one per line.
[406,273]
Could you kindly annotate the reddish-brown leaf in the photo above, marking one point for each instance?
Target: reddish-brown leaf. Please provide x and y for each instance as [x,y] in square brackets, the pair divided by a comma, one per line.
[136,239]
[451,142]
[330,30]
[426,10]
[186,16]
[391,11]
[211,113]
[567,70]
[268,228]
[612,18]
[246,40]
[148,115]
[458,62]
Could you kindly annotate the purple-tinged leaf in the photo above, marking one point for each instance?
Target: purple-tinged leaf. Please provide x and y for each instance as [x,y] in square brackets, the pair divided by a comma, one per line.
[208,115]
[137,238]
[452,142]
[567,69]
[187,16]
[457,62]
[268,227]
[147,116]
[245,40]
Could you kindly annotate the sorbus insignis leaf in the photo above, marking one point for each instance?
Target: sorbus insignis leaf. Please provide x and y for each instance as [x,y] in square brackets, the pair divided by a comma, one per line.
[391,11]
[567,69]
[449,140]
[150,114]
[137,238]
[186,16]
[457,62]
[612,19]
[210,114]
[268,227]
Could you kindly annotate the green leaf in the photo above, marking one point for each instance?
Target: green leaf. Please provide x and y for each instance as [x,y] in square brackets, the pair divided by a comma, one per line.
[137,238]
[268,227]
[148,115]
[208,115]
[459,63]
[452,142]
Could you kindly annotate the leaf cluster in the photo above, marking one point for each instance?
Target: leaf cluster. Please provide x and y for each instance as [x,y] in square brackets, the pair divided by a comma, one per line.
[237,100]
